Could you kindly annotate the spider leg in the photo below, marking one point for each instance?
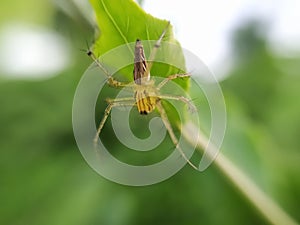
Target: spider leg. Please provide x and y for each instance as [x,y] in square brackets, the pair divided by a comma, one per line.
[171,133]
[155,48]
[171,77]
[110,80]
[126,100]
[179,98]
[112,103]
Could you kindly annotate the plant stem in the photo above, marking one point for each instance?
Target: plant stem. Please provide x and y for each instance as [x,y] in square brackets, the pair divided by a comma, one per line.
[262,202]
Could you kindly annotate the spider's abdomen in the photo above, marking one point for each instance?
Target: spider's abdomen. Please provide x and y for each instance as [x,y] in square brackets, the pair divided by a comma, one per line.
[145,102]
[140,73]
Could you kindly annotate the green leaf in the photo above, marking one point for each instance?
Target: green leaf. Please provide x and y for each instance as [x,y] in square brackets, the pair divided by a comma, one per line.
[122,22]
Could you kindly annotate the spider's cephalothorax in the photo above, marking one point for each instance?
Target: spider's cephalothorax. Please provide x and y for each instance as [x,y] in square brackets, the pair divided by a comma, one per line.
[146,98]
[145,90]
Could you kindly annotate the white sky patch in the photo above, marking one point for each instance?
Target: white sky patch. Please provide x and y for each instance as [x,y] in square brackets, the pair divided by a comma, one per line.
[204,27]
[285,35]
[31,52]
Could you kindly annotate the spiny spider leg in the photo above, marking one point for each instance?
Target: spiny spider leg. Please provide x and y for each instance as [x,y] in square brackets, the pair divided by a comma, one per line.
[110,80]
[155,48]
[179,98]
[174,139]
[171,77]
[112,103]
[115,100]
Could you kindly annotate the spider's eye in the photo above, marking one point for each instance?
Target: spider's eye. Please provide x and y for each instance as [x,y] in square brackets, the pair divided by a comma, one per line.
[143,113]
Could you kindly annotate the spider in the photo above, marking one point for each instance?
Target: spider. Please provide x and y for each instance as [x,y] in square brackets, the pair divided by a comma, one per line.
[147,96]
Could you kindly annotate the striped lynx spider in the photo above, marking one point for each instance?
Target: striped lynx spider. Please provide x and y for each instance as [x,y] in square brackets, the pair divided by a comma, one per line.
[147,96]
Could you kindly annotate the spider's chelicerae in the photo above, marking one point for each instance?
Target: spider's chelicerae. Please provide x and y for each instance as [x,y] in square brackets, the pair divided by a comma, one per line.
[147,96]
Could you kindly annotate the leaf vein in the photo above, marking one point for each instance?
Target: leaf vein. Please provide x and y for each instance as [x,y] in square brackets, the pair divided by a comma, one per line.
[116,26]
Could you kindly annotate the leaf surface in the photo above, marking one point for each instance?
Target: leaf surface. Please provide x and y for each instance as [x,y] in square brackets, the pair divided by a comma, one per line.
[121,22]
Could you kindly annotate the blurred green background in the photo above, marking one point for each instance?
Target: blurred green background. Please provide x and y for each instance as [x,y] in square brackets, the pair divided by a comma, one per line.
[44,179]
